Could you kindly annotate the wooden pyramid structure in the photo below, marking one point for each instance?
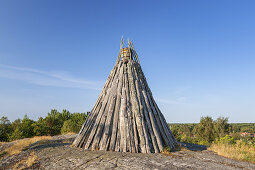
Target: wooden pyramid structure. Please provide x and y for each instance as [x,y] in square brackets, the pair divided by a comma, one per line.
[125,117]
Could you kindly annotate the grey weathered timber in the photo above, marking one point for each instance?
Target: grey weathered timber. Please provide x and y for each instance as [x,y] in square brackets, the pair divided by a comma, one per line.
[125,117]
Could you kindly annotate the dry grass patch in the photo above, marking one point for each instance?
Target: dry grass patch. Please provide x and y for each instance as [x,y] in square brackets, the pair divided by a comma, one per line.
[69,133]
[2,143]
[167,150]
[26,163]
[31,159]
[21,144]
[237,151]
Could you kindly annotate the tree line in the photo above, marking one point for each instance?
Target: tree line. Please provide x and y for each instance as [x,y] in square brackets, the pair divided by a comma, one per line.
[205,132]
[54,123]
[208,131]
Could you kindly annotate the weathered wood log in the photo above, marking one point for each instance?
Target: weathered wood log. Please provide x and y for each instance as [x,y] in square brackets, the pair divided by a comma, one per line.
[148,145]
[128,118]
[136,110]
[123,112]
[116,111]
[117,146]
[151,143]
[135,142]
[166,127]
[105,139]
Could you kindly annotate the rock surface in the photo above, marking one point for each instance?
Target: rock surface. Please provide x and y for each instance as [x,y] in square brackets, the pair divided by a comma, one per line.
[57,153]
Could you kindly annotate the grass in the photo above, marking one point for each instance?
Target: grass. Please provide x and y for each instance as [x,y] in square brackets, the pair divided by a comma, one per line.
[167,150]
[2,143]
[2,154]
[22,144]
[26,163]
[31,159]
[239,151]
[68,133]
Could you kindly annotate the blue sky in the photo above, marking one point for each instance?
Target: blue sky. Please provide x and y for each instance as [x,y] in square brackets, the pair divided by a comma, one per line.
[198,56]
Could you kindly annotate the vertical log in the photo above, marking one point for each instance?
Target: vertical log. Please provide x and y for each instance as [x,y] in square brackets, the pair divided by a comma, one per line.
[166,127]
[133,125]
[128,118]
[96,124]
[123,112]
[116,112]
[162,132]
[153,123]
[142,110]
[106,133]
[136,110]
[150,137]
[117,146]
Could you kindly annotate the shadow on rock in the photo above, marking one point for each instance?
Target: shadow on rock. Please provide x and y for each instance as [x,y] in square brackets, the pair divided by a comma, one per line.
[193,147]
[49,143]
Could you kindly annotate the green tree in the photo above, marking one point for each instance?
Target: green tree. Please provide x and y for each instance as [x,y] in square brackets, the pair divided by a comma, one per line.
[221,127]
[226,140]
[176,131]
[24,130]
[16,123]
[53,123]
[40,128]
[74,124]
[204,130]
[68,126]
[185,132]
[78,119]
[5,129]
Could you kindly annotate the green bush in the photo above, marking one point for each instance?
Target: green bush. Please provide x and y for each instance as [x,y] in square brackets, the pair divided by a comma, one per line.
[78,119]
[236,135]
[166,149]
[74,124]
[226,140]
[5,129]
[23,130]
[221,127]
[204,130]
[68,126]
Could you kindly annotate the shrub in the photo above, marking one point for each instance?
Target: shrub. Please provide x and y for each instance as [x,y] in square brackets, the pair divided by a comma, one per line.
[5,129]
[68,126]
[221,127]
[226,140]
[204,130]
[23,130]
[78,119]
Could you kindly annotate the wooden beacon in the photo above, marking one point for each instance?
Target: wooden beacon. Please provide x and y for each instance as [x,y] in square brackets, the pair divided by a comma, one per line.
[125,117]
